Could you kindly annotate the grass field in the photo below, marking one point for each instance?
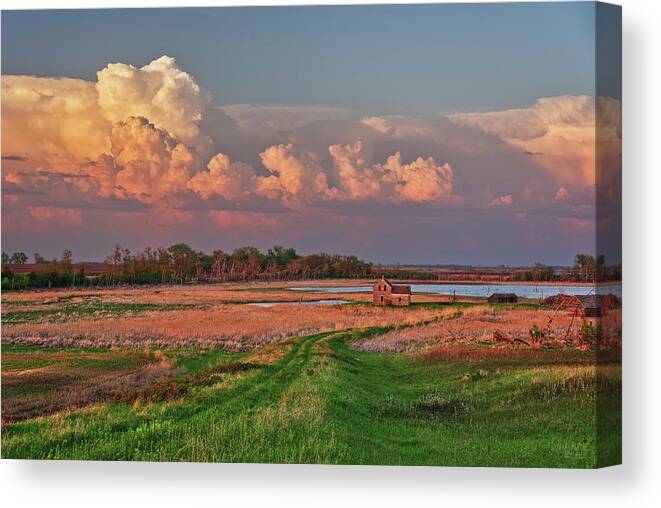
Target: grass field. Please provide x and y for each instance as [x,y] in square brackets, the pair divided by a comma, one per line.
[315,398]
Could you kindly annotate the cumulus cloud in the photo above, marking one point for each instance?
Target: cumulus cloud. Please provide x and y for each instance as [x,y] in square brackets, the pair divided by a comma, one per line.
[297,177]
[224,178]
[292,174]
[422,180]
[52,119]
[146,139]
[160,91]
[152,162]
[357,179]
[142,134]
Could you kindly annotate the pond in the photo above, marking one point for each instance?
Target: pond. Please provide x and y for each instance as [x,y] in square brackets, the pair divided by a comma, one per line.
[479,290]
[311,302]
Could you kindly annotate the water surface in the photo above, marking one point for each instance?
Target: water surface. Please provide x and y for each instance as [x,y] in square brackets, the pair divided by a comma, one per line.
[479,290]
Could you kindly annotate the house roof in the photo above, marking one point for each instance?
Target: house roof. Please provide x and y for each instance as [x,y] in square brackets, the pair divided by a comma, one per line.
[503,295]
[398,289]
[401,290]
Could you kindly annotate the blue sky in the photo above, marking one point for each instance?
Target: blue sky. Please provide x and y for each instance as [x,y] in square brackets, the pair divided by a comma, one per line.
[381,59]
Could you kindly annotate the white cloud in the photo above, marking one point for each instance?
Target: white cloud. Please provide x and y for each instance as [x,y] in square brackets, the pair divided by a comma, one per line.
[160,91]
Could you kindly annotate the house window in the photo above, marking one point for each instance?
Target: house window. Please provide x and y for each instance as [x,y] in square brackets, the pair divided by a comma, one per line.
[382,299]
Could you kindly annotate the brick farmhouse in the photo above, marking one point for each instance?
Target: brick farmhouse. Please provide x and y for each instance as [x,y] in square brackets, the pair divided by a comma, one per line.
[385,293]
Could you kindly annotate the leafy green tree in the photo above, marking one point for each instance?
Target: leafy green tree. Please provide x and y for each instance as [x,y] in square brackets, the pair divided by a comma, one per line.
[585,267]
[183,261]
[67,261]
[19,258]
[39,259]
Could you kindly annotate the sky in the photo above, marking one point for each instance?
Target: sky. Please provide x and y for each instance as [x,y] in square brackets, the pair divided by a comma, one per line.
[412,134]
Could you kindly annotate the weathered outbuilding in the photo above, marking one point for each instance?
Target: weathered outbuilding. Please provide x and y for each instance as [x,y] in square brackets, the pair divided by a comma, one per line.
[589,305]
[503,298]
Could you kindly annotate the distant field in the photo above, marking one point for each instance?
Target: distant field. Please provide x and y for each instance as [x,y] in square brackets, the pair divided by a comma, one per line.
[196,375]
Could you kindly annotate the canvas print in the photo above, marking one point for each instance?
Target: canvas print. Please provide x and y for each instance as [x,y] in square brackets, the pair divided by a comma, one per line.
[363,234]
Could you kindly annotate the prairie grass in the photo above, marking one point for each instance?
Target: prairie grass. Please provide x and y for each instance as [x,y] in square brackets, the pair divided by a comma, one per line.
[232,327]
[475,325]
[38,382]
[202,294]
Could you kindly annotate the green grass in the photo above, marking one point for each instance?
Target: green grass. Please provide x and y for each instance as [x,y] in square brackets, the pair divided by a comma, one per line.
[88,308]
[325,403]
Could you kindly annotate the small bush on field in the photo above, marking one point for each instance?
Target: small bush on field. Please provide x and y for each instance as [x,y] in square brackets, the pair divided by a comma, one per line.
[535,333]
[577,383]
[590,333]
[430,404]
[177,388]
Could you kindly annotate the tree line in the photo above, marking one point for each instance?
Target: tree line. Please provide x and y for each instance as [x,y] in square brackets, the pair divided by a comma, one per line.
[180,264]
[586,268]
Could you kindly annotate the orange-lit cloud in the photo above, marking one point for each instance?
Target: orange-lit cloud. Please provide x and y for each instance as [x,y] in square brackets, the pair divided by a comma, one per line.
[160,91]
[134,134]
[52,119]
[152,162]
[145,142]
[559,133]
[293,175]
[223,177]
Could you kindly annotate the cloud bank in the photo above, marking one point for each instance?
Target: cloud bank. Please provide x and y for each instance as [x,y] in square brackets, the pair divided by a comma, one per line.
[148,140]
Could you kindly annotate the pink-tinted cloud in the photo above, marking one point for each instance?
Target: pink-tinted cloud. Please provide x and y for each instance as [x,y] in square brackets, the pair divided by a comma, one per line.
[143,148]
[504,200]
[47,215]
[559,133]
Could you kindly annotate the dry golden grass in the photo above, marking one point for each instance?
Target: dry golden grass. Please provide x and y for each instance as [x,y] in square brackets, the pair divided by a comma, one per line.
[234,327]
[168,295]
[203,294]
[477,325]
[216,319]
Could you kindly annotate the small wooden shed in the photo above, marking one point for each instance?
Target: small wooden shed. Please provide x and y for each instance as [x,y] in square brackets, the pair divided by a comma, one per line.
[503,298]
